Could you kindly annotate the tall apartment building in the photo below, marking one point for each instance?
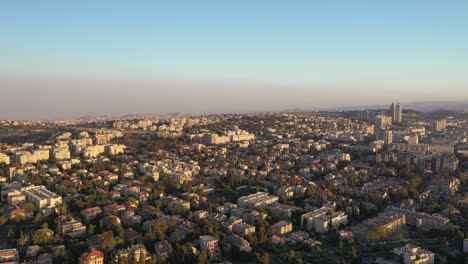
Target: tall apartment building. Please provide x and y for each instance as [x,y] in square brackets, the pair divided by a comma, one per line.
[445,163]
[41,154]
[24,157]
[396,112]
[308,219]
[439,124]
[114,149]
[322,223]
[60,153]
[91,152]
[385,135]
[382,121]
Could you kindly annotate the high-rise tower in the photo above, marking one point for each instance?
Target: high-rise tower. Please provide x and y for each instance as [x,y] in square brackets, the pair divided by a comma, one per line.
[398,113]
[392,112]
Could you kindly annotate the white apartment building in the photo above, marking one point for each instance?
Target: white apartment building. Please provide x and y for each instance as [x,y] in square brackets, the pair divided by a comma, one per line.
[414,255]
[256,200]
[114,149]
[41,196]
[322,223]
[4,159]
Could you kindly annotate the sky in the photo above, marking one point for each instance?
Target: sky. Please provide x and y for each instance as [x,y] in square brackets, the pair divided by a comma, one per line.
[62,59]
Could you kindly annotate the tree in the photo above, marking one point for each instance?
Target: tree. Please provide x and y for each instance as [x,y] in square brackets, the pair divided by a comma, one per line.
[91,229]
[202,258]
[30,206]
[292,256]
[159,228]
[41,238]
[263,258]
[108,241]
[38,218]
[3,220]
[22,239]
[377,233]
[11,232]
[262,234]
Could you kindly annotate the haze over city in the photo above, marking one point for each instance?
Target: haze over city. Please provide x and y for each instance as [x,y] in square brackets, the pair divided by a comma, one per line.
[62,60]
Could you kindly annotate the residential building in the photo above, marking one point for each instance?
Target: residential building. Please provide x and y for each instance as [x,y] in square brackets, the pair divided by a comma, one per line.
[209,244]
[282,228]
[414,255]
[93,257]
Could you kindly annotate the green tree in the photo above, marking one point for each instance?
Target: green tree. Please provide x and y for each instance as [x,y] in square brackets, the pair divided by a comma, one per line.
[41,238]
[108,242]
[22,239]
[202,258]
[3,220]
[160,227]
[30,206]
[38,218]
[91,229]
[263,258]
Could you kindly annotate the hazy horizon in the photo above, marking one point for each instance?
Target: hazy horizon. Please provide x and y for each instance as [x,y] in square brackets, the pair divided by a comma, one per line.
[65,60]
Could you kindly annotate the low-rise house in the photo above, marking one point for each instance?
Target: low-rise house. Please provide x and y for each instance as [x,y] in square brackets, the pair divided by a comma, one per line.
[114,209]
[9,256]
[129,218]
[90,214]
[163,250]
[93,257]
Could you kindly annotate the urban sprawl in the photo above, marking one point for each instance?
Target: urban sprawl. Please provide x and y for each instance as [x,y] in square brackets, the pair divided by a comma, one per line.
[364,186]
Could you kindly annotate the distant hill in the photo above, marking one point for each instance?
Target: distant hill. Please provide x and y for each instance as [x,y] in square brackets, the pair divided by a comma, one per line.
[163,116]
[428,106]
[437,105]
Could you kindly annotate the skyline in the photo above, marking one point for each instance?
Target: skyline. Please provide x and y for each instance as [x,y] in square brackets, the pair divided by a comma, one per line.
[68,60]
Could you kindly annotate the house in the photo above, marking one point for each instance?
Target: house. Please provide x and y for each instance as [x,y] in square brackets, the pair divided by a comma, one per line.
[114,209]
[93,257]
[32,251]
[90,214]
[129,218]
[21,214]
[44,258]
[163,250]
[9,256]
[239,242]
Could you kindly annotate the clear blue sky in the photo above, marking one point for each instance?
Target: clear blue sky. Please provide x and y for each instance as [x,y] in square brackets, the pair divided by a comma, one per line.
[72,58]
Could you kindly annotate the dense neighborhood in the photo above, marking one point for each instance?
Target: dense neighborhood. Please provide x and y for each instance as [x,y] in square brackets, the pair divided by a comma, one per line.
[368,186]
